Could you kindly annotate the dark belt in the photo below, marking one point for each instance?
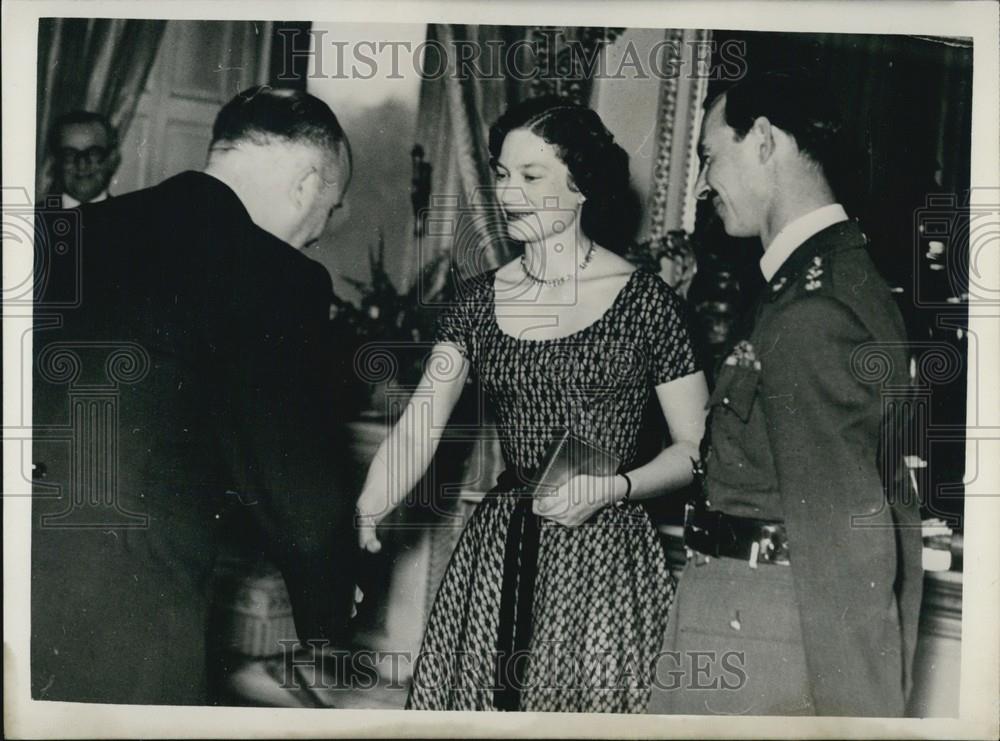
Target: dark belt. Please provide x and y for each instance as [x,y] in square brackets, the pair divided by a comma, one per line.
[517,593]
[714,533]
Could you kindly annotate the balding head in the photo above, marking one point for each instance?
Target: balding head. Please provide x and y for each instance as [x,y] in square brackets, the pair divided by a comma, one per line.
[286,156]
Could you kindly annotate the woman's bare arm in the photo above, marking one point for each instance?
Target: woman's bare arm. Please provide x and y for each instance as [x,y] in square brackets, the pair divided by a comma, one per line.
[404,456]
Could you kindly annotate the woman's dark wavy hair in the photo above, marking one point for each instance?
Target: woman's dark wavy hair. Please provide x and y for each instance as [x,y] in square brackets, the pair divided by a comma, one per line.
[597,165]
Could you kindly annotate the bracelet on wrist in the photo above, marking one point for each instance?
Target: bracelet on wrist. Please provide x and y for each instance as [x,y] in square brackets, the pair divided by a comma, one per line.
[624,501]
[360,517]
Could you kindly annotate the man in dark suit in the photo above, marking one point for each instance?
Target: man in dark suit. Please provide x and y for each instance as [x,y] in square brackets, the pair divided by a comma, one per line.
[84,146]
[804,574]
[188,391]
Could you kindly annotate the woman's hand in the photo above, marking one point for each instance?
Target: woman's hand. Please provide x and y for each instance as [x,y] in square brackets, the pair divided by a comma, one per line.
[578,499]
[410,441]
[366,523]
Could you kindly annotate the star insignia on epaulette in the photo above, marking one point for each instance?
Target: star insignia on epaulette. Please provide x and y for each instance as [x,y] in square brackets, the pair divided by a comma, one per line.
[779,284]
[743,355]
[813,274]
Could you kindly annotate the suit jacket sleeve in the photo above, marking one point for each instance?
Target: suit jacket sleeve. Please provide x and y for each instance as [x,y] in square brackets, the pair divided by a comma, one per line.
[283,439]
[823,432]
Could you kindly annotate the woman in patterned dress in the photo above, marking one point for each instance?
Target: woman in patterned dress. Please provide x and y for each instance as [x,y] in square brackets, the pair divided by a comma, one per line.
[559,603]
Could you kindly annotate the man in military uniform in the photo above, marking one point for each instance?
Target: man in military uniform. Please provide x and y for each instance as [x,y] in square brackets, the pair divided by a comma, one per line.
[803,579]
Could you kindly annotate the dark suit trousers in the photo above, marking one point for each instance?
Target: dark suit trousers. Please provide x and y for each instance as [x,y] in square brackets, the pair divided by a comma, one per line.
[115,618]
[738,641]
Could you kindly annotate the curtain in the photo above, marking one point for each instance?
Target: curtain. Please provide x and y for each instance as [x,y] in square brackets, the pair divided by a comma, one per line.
[671,204]
[94,64]
[452,127]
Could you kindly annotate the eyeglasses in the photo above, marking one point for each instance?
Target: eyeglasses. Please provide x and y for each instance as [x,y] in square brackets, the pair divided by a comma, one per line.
[92,156]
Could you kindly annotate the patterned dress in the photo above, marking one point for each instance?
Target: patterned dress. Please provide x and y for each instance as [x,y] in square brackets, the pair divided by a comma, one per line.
[601,591]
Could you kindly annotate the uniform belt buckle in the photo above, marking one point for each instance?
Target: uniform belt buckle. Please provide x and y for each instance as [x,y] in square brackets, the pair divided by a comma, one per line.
[701,530]
[771,546]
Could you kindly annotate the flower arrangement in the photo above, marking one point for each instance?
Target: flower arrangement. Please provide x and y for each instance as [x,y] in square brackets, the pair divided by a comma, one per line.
[389,329]
[671,256]
[388,313]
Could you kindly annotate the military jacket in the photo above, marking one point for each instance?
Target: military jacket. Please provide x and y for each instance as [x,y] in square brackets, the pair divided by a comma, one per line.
[798,432]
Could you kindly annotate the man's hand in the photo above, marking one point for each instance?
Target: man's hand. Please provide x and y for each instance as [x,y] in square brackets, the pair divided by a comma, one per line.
[574,502]
[358,597]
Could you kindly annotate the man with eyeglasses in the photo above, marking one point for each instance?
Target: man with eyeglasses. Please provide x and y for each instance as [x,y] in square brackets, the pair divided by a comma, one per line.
[85,147]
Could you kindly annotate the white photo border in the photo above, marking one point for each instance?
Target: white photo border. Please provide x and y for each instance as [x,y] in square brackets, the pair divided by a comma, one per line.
[25,718]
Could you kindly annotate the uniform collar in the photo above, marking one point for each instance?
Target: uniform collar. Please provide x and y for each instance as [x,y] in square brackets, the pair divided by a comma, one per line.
[69,201]
[796,233]
[811,256]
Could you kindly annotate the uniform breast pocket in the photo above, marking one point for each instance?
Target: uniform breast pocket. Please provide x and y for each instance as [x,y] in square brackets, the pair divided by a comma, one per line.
[736,391]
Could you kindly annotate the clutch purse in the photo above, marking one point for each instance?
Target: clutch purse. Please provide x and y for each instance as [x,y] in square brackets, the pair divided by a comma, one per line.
[569,456]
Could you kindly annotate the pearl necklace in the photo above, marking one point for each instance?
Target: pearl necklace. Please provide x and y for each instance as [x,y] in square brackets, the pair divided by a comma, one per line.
[555,282]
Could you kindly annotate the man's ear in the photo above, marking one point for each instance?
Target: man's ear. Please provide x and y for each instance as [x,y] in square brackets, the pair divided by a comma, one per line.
[765,134]
[306,187]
